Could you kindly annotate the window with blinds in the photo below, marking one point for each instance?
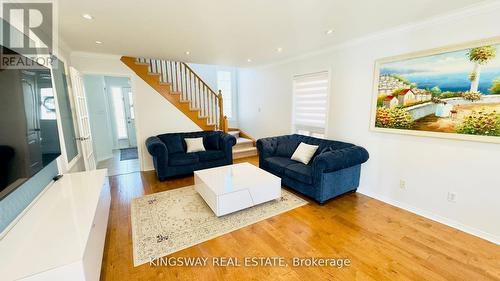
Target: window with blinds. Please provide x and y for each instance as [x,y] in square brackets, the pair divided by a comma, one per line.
[310,104]
[224,84]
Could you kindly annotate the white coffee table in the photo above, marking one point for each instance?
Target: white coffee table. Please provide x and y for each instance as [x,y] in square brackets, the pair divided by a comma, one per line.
[235,187]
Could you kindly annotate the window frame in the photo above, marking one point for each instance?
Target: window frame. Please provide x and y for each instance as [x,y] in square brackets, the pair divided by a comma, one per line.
[294,129]
[232,84]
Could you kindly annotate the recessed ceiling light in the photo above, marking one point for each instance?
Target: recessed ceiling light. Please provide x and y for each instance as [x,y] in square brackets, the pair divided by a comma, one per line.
[188,53]
[98,42]
[249,60]
[329,32]
[87,16]
[279,50]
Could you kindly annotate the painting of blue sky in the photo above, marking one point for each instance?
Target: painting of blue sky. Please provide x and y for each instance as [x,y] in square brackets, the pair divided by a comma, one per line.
[448,71]
[454,92]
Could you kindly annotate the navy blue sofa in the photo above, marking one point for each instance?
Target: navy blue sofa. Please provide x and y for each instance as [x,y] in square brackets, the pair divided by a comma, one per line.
[333,170]
[170,158]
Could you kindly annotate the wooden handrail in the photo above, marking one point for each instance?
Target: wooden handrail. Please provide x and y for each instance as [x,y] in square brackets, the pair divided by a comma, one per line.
[190,90]
[201,80]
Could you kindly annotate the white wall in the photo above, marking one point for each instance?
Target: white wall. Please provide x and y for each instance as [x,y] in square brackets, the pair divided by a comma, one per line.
[431,167]
[154,114]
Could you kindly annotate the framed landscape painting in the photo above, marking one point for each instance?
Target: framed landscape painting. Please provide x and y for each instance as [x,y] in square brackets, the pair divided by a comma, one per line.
[451,92]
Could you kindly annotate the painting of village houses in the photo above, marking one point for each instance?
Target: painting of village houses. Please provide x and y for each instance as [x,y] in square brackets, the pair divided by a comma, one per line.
[455,92]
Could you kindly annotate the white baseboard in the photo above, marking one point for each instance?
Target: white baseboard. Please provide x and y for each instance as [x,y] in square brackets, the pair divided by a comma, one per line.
[449,222]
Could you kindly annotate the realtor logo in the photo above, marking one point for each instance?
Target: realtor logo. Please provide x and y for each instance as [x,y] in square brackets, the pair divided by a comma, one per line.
[28,29]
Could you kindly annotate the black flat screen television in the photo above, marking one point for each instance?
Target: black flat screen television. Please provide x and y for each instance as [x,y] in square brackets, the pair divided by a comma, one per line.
[29,138]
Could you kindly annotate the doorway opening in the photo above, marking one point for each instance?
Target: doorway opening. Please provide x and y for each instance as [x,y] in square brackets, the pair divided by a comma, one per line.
[112,120]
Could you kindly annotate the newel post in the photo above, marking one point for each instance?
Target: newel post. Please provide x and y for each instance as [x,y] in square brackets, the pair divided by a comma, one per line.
[222,118]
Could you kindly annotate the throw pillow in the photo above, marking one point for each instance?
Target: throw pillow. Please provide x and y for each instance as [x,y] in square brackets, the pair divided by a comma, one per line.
[194,145]
[211,142]
[304,152]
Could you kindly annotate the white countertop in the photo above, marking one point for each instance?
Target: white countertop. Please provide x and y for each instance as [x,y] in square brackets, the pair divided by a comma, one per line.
[54,231]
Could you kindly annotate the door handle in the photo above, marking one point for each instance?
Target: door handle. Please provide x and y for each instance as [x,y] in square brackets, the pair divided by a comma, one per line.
[81,139]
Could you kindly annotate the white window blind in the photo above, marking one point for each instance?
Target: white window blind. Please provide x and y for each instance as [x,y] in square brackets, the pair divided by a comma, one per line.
[310,103]
[224,84]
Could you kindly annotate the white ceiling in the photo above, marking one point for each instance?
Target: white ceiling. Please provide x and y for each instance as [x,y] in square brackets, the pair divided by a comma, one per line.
[228,32]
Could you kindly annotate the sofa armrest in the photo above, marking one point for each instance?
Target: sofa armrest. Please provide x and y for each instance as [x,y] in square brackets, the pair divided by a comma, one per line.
[227,142]
[156,147]
[335,160]
[266,147]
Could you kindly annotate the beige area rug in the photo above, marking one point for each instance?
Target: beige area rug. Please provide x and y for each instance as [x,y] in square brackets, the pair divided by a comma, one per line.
[167,222]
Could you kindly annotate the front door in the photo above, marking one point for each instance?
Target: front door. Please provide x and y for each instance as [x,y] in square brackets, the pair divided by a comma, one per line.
[130,115]
[123,110]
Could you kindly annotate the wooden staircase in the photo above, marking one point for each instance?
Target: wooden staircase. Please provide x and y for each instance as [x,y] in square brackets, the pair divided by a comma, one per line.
[245,145]
[182,87]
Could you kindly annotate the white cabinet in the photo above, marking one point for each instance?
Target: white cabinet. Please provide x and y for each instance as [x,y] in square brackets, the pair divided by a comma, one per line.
[61,237]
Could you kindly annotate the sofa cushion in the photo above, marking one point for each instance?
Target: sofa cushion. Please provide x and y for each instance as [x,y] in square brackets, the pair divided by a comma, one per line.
[286,147]
[182,159]
[299,172]
[210,155]
[211,141]
[278,164]
[173,143]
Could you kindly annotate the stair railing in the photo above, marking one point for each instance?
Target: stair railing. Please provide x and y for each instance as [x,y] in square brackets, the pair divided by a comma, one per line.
[191,88]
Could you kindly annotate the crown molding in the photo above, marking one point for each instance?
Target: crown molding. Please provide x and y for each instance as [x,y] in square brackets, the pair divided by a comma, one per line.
[94,55]
[471,10]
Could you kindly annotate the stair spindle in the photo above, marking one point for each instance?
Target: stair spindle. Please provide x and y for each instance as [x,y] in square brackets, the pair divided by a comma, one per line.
[213,108]
[198,94]
[174,74]
[201,98]
[191,96]
[164,75]
[185,83]
[180,77]
[171,76]
[204,100]
[194,93]
[192,89]
[207,103]
[207,112]
[203,111]
[210,105]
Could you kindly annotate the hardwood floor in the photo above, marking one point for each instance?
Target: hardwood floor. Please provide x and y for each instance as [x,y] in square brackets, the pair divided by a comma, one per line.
[382,242]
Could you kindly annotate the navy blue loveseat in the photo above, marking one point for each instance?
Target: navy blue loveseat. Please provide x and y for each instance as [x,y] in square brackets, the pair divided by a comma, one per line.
[333,170]
[170,157]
